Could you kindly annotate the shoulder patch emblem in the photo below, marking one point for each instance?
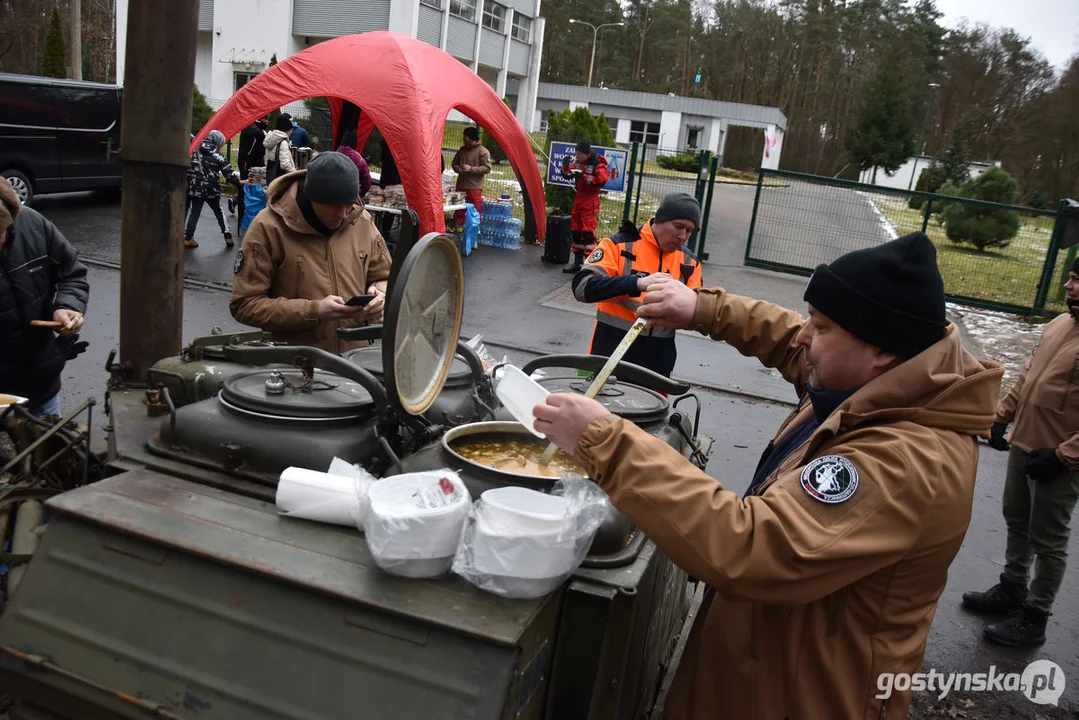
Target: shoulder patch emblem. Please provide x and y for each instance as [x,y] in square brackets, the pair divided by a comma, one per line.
[238,263]
[596,256]
[830,479]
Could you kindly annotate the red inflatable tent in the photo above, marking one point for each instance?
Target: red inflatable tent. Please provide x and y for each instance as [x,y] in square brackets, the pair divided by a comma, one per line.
[406,88]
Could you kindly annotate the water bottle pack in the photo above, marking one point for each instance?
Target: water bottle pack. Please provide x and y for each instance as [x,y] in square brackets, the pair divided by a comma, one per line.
[498,227]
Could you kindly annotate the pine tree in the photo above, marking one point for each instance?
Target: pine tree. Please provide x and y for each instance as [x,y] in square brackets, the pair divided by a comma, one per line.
[883,137]
[953,163]
[984,226]
[200,111]
[54,63]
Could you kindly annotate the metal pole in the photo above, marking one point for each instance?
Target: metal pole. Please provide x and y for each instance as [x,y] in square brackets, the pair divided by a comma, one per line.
[753,217]
[592,62]
[161,39]
[632,171]
[925,125]
[701,254]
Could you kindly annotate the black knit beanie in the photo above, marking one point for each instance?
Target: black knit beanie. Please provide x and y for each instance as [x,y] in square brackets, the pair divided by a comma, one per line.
[472,133]
[679,206]
[284,123]
[890,296]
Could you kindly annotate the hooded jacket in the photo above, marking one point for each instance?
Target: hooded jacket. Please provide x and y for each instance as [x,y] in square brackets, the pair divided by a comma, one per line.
[252,151]
[39,273]
[286,266]
[1044,401]
[278,149]
[206,164]
[828,574]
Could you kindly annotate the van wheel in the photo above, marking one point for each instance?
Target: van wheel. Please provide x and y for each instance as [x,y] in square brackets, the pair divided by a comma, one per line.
[21,184]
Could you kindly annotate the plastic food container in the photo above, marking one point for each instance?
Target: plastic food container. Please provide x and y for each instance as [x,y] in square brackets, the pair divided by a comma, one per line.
[520,393]
[414,522]
[525,538]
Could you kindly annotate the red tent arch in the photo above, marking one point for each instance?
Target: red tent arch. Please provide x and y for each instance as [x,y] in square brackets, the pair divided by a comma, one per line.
[406,88]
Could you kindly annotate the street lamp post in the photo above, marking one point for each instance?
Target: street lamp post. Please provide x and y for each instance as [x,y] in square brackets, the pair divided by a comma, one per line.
[921,141]
[595,36]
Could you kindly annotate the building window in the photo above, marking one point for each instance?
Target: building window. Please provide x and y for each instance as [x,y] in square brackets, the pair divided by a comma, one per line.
[693,136]
[243,78]
[522,27]
[437,4]
[645,132]
[494,16]
[613,123]
[543,123]
[463,9]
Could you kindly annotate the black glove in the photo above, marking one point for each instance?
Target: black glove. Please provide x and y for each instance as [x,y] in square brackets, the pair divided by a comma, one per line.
[1044,464]
[996,436]
[71,346]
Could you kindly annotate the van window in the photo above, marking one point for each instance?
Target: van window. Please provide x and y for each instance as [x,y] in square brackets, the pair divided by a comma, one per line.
[26,105]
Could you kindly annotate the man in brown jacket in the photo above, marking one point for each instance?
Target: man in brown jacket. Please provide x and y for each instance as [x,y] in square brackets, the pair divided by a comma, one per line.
[471,163]
[1042,483]
[310,250]
[825,576]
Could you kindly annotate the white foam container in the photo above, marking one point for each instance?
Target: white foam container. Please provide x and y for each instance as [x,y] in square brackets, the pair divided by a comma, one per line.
[413,541]
[523,534]
[319,496]
[520,393]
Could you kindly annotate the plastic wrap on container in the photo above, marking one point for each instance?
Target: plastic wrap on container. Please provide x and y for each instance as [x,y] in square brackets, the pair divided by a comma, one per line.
[529,554]
[413,522]
[489,361]
[335,497]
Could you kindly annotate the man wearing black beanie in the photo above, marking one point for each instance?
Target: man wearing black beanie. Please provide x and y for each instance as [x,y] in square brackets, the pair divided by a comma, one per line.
[1042,482]
[824,577]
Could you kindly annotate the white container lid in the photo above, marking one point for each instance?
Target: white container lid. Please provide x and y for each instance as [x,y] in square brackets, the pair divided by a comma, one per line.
[520,393]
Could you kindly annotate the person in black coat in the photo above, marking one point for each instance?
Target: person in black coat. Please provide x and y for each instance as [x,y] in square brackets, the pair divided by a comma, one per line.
[41,278]
[252,154]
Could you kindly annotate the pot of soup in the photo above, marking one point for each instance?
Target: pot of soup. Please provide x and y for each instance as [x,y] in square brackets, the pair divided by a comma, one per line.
[507,451]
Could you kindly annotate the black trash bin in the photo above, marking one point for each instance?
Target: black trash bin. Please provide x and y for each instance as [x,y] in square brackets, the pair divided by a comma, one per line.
[556,245]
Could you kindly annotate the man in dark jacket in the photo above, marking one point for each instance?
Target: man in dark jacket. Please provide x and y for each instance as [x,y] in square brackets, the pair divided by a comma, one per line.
[41,278]
[252,154]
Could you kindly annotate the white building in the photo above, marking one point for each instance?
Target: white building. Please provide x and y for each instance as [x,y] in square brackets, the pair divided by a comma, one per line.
[500,41]
[901,179]
[671,123]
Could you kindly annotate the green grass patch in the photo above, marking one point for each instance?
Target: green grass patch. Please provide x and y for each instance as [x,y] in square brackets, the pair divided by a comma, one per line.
[1007,275]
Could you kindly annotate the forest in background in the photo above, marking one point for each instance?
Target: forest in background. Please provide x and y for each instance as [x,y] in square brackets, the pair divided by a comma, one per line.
[819,60]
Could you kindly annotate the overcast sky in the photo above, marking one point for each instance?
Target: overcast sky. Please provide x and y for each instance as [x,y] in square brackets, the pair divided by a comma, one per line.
[1052,25]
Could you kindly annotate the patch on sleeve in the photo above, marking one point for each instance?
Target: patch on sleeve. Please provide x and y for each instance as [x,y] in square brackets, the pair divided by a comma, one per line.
[830,479]
[596,256]
[238,263]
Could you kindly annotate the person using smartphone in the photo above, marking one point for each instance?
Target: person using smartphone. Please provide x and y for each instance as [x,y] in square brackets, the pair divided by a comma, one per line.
[306,256]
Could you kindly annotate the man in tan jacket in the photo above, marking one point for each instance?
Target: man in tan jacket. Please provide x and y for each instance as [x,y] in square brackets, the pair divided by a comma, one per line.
[825,576]
[1042,482]
[471,163]
[306,254]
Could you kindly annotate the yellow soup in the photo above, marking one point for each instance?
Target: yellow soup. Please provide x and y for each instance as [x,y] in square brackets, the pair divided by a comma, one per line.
[514,454]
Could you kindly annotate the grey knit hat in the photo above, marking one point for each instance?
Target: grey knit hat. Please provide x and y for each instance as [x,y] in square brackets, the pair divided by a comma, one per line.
[679,206]
[332,178]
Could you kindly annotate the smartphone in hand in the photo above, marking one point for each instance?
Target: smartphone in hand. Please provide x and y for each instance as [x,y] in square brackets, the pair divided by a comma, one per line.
[360,300]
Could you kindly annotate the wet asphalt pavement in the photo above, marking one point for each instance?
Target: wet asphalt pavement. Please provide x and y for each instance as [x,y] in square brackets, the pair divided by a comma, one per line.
[520,306]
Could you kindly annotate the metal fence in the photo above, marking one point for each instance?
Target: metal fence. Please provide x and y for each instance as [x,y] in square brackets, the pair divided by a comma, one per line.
[800,221]
[654,172]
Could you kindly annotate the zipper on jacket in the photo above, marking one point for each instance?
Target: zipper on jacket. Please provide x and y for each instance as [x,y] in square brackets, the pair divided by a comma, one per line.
[883,709]
[335,290]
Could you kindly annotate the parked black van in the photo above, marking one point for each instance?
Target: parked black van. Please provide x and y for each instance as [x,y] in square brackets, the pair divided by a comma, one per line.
[58,135]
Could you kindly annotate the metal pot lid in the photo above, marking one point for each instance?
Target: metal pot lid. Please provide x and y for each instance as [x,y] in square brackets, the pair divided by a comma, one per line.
[283,393]
[370,359]
[423,322]
[629,401]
